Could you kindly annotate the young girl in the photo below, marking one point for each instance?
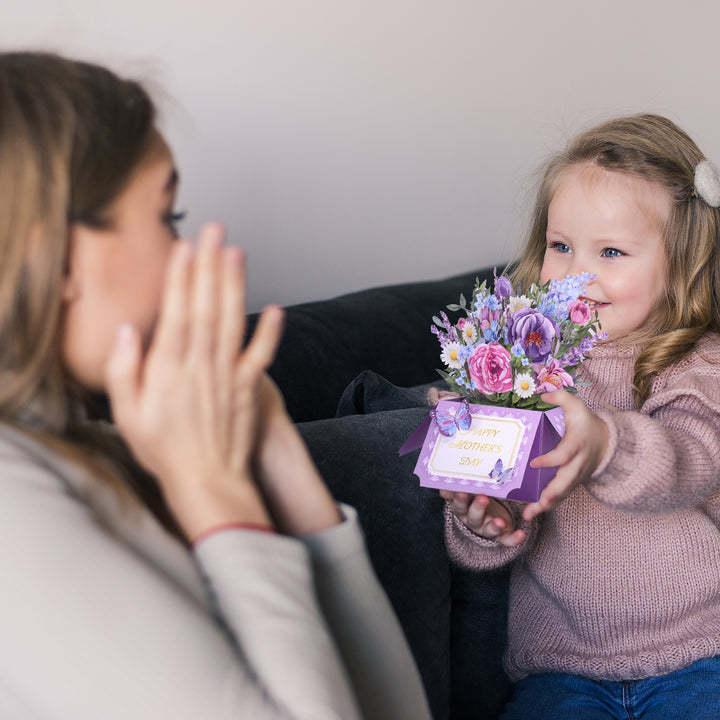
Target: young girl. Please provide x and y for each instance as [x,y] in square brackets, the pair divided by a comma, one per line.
[195,566]
[615,588]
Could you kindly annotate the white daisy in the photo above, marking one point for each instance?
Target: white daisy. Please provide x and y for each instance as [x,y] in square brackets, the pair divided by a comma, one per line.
[515,302]
[524,385]
[469,333]
[451,355]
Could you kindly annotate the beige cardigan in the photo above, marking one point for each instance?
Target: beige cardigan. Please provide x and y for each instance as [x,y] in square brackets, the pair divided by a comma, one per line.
[103,614]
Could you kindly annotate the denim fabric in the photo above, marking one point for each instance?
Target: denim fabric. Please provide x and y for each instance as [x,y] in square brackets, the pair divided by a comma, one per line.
[690,693]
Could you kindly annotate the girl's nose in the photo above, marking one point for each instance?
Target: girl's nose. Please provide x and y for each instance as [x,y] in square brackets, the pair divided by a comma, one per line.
[578,266]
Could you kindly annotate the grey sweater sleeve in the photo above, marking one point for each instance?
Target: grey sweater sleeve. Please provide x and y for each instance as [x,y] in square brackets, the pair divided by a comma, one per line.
[376,655]
[91,628]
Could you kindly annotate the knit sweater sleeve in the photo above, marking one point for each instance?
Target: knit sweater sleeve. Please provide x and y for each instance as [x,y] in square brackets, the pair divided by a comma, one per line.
[477,553]
[667,455]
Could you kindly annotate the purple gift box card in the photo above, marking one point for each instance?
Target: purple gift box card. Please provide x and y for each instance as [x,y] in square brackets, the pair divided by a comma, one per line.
[490,457]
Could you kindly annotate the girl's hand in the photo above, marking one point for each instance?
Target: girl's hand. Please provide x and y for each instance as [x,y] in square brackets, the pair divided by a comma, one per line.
[485,517]
[188,408]
[576,455]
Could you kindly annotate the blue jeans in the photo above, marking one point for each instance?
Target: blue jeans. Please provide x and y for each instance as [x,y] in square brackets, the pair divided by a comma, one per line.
[692,692]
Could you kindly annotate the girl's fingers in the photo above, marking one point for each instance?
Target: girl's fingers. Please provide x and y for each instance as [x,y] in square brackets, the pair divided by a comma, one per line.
[561,398]
[511,539]
[171,333]
[565,479]
[205,293]
[460,502]
[565,450]
[232,309]
[476,512]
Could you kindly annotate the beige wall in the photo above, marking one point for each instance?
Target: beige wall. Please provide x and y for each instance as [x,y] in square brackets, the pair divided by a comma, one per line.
[349,144]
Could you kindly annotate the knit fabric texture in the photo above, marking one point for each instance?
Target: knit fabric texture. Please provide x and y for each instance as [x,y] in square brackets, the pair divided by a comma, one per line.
[621,581]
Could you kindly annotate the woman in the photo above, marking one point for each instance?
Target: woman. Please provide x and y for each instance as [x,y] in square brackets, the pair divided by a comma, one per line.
[192,564]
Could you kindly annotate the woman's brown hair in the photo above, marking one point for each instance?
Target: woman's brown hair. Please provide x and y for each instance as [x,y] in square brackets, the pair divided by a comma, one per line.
[655,149]
[71,134]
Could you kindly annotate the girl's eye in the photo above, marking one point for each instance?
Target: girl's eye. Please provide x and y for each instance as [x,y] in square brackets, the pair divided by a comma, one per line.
[561,247]
[171,219]
[611,252]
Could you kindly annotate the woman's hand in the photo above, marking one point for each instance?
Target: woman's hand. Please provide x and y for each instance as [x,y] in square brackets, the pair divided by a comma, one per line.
[576,456]
[188,408]
[295,494]
[485,517]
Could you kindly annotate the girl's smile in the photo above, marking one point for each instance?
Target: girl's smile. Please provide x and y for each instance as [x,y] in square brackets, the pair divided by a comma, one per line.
[609,224]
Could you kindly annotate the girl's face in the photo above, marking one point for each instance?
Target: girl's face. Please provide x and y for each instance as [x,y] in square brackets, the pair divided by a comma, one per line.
[117,274]
[609,224]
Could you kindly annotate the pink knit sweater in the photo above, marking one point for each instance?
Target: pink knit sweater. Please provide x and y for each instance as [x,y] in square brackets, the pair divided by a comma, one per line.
[621,581]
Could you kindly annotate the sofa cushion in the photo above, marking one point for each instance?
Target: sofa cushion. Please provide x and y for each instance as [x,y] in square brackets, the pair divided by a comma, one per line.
[357,457]
[479,601]
[387,329]
[370,393]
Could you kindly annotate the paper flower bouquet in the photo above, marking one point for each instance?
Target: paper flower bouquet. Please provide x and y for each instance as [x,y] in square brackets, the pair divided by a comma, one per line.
[505,350]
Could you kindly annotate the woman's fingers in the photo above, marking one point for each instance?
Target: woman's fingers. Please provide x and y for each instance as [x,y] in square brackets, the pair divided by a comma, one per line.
[232,310]
[260,351]
[206,291]
[170,337]
[122,376]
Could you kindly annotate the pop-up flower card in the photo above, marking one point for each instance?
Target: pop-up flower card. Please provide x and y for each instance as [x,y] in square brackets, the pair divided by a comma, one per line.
[500,356]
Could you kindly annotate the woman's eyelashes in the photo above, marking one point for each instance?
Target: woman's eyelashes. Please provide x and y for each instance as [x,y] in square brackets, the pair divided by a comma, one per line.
[172,219]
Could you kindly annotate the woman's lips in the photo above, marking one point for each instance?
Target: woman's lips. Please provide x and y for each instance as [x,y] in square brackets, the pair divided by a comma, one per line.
[593,304]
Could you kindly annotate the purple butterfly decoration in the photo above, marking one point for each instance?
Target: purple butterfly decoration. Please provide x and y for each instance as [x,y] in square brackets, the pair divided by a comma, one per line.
[449,424]
[498,474]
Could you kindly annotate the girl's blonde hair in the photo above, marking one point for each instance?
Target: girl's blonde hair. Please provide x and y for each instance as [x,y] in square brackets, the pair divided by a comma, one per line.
[71,134]
[655,149]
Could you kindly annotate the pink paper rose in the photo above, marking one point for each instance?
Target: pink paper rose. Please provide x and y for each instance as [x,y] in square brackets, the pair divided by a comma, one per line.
[490,369]
[579,312]
[553,377]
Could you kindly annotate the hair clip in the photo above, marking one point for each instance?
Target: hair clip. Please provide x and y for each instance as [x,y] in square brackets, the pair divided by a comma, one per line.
[707,183]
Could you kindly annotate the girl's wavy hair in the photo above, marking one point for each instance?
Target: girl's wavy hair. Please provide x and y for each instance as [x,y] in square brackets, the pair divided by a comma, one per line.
[71,135]
[655,149]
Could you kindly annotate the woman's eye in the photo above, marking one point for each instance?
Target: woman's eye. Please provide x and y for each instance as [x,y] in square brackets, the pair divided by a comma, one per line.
[611,252]
[172,219]
[560,247]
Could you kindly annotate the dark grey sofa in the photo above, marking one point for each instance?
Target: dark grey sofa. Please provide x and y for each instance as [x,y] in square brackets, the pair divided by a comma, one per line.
[354,371]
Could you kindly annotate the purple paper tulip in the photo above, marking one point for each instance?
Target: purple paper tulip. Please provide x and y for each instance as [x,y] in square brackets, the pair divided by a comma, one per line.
[503,287]
[534,331]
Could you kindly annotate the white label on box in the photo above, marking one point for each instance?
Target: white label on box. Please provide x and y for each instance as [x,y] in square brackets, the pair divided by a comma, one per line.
[473,453]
